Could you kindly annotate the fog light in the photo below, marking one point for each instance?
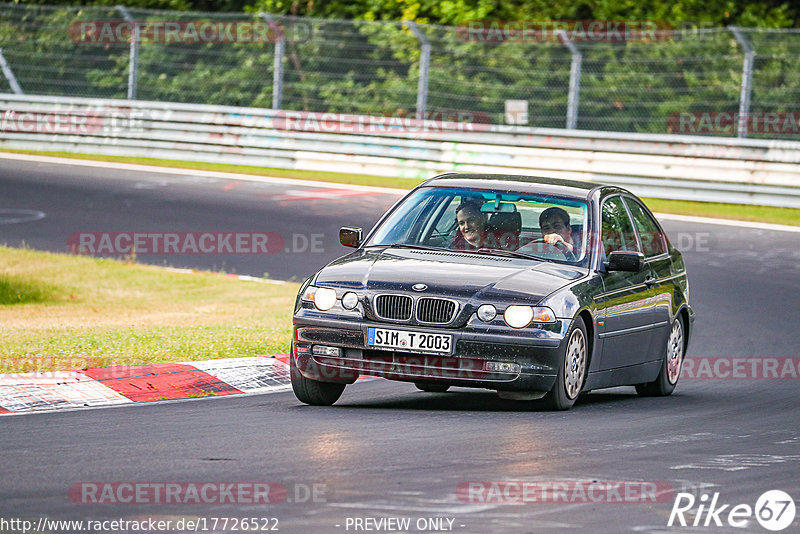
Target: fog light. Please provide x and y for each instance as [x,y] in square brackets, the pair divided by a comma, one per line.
[487,313]
[502,367]
[322,350]
[518,316]
[349,300]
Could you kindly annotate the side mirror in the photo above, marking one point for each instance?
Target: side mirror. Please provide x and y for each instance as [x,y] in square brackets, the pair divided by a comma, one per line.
[350,236]
[624,260]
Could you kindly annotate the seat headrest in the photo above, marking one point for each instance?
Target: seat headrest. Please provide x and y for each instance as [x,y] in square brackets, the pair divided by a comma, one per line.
[505,222]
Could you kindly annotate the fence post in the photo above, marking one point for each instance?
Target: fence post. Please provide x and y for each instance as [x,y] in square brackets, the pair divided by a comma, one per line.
[133,59]
[747,80]
[424,67]
[277,62]
[574,80]
[9,74]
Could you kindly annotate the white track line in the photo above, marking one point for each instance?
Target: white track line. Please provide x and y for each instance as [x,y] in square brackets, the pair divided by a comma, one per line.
[195,172]
[727,222]
[318,184]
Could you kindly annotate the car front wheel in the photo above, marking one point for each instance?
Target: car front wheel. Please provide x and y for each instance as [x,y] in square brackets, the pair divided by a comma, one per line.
[311,391]
[571,372]
[671,369]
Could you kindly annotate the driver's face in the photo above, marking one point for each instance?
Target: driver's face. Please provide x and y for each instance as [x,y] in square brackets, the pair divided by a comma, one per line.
[471,223]
[554,225]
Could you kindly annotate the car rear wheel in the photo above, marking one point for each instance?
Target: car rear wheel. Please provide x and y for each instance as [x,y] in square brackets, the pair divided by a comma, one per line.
[571,372]
[431,388]
[671,369]
[311,391]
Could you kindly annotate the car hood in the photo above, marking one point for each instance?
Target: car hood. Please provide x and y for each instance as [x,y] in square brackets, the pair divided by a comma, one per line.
[453,274]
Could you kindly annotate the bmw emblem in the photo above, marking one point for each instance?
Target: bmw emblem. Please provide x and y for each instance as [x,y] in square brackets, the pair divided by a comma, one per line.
[419,287]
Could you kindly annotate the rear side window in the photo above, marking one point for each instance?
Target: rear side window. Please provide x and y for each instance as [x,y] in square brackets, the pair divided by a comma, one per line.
[617,229]
[649,233]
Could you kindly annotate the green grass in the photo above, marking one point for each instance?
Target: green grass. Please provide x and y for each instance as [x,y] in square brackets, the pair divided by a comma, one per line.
[14,290]
[767,214]
[789,216]
[62,312]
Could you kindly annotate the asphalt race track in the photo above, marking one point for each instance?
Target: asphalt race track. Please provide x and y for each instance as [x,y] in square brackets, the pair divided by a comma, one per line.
[386,450]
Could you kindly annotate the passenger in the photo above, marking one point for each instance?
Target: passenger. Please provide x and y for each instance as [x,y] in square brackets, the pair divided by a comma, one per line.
[471,226]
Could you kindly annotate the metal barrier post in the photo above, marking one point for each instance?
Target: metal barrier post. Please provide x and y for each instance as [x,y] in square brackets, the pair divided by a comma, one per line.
[574,80]
[277,64]
[9,74]
[747,80]
[424,67]
[133,59]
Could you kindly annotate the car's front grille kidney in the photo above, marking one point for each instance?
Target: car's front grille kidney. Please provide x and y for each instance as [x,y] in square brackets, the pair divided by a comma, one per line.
[393,307]
[433,310]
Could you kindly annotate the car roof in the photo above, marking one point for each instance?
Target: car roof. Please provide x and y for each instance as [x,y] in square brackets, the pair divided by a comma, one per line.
[526,184]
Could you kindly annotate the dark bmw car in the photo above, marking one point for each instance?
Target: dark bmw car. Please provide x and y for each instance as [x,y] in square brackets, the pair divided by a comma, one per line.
[537,288]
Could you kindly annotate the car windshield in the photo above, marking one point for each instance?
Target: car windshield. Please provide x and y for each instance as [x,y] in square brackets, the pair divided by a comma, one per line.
[492,222]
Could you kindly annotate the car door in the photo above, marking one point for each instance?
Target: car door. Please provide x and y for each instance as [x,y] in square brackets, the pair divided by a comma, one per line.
[654,247]
[625,306]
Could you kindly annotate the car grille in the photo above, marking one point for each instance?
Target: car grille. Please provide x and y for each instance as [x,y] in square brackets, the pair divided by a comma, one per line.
[393,307]
[433,310]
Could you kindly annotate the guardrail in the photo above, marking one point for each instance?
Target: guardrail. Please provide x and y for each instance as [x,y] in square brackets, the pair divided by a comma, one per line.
[741,171]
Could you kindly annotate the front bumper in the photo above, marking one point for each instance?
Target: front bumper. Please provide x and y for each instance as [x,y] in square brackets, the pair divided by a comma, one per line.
[536,353]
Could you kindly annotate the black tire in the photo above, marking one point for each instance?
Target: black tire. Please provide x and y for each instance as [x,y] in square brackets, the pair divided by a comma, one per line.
[575,356]
[311,391]
[431,388]
[671,368]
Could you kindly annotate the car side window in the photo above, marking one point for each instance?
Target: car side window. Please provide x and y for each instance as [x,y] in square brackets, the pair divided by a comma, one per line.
[617,229]
[649,233]
[446,225]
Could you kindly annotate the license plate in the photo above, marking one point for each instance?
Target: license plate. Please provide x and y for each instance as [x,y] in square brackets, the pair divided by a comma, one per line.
[412,341]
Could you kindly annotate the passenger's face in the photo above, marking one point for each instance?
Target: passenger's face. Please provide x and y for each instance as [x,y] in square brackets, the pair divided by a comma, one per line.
[471,223]
[554,225]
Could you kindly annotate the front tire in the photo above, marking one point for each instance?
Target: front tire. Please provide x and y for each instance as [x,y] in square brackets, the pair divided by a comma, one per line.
[671,370]
[571,371]
[311,391]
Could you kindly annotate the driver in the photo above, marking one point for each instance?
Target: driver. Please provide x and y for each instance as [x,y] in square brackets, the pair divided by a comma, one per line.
[556,230]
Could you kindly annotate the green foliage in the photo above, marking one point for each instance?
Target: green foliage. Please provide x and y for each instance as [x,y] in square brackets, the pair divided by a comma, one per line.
[370,63]
[755,13]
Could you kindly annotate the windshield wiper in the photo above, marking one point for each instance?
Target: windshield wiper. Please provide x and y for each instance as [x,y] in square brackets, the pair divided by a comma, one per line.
[416,247]
[487,251]
[502,252]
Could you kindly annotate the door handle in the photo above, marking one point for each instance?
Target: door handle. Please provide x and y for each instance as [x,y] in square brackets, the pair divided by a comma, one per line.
[650,281]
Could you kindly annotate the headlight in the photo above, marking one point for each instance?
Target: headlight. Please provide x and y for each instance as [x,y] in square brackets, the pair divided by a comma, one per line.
[323,297]
[518,316]
[487,313]
[521,316]
[349,300]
